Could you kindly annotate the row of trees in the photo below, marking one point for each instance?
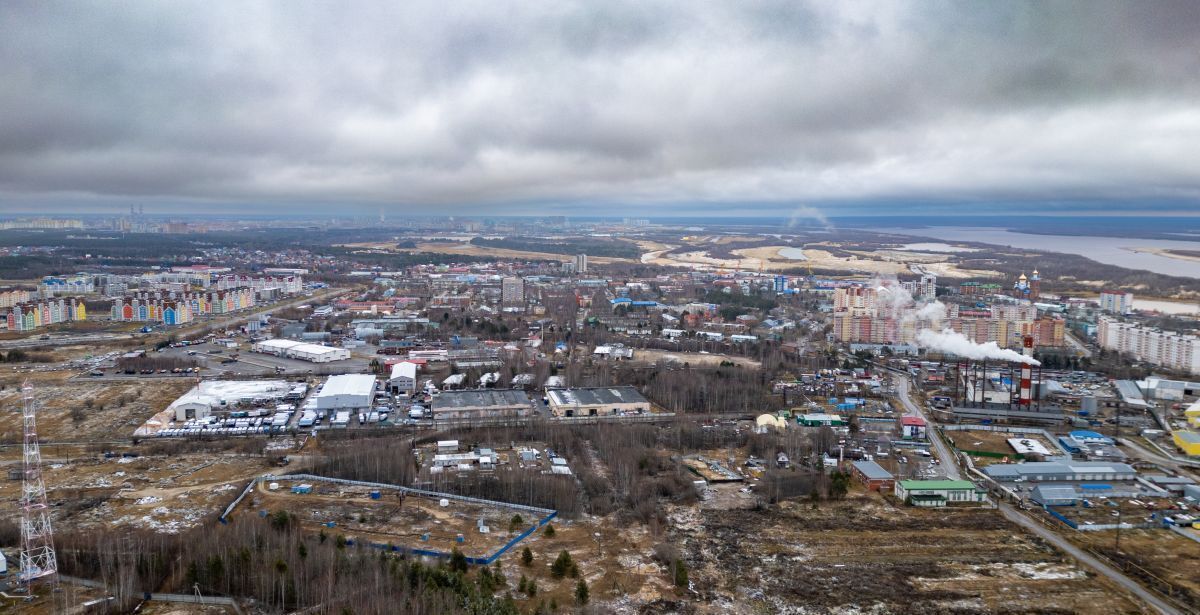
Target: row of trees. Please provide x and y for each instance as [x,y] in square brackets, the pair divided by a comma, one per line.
[272,561]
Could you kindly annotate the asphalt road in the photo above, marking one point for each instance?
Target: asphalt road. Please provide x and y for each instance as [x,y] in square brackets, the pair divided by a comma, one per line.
[1078,345]
[65,340]
[949,463]
[1087,559]
[1179,465]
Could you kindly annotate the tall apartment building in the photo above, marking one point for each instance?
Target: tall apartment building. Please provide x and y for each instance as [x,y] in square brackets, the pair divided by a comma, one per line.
[1168,349]
[924,288]
[512,291]
[1116,301]
[860,316]
[581,263]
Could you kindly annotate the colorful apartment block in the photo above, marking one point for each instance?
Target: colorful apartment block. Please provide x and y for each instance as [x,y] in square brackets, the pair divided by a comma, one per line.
[34,315]
[178,308]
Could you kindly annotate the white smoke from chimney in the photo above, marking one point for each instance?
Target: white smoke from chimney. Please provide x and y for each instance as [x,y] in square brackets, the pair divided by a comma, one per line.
[952,342]
[891,299]
[934,310]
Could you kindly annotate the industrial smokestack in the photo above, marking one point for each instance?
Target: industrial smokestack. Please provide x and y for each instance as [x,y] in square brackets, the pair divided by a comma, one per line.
[1026,374]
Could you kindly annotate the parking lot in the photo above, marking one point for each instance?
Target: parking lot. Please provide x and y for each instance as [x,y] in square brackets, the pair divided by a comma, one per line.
[214,359]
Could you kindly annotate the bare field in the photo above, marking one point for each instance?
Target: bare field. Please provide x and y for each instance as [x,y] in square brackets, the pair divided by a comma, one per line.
[160,493]
[866,555]
[103,410]
[613,557]
[1162,553]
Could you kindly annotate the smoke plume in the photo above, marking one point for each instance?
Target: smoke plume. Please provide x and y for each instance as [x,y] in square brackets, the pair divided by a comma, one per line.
[951,342]
[934,310]
[805,212]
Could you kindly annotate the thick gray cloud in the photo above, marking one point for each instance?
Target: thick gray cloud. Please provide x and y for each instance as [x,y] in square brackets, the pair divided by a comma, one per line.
[493,103]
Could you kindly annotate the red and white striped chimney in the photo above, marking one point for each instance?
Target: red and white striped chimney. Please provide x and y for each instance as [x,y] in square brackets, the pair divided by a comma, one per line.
[1027,374]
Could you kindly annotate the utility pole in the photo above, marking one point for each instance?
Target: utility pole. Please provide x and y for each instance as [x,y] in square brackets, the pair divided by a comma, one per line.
[1117,439]
[38,559]
[1119,517]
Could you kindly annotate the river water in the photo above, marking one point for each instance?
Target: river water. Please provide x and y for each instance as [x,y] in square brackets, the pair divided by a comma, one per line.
[1107,250]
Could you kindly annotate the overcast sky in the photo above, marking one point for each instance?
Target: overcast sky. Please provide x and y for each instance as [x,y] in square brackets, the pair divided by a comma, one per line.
[655,108]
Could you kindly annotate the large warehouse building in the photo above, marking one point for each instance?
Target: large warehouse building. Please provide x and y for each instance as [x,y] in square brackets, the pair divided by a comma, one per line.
[347,392]
[480,404]
[303,351]
[1055,471]
[596,401]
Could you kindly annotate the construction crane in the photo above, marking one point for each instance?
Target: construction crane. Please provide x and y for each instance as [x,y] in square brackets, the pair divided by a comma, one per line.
[38,560]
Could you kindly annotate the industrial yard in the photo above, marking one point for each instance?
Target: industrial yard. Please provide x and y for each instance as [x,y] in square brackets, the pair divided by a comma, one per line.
[994,445]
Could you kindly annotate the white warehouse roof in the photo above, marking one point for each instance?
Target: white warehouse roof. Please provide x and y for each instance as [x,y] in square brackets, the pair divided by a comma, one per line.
[349,384]
[404,369]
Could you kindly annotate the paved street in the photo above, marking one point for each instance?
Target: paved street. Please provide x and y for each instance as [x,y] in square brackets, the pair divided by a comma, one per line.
[949,462]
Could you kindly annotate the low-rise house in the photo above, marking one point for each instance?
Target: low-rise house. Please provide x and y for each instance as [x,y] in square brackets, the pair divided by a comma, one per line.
[873,475]
[937,493]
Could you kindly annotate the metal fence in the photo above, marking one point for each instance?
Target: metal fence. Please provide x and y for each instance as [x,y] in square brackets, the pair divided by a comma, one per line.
[545,515]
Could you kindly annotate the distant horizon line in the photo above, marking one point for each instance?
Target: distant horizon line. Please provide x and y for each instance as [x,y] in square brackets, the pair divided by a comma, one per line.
[745,216]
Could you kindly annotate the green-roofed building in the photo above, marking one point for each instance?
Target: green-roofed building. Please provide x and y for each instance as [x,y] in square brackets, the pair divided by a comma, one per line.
[939,492]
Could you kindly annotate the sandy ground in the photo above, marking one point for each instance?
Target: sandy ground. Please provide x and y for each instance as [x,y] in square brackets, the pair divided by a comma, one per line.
[1167,253]
[767,258]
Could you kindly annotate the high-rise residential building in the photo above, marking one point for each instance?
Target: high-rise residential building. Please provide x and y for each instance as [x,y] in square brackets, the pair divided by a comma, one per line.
[1116,301]
[581,263]
[512,291]
[1168,349]
[927,287]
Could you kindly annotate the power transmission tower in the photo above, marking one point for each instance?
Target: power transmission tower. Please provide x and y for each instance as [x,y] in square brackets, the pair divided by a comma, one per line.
[37,539]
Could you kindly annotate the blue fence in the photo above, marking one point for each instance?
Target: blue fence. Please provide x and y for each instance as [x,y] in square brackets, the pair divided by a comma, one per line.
[1060,517]
[482,561]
